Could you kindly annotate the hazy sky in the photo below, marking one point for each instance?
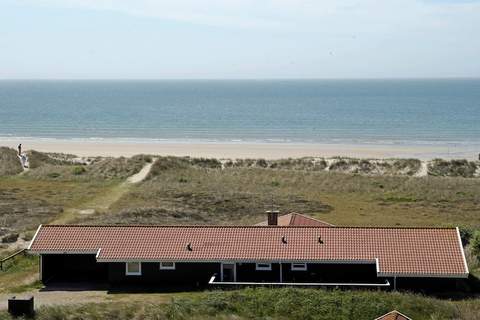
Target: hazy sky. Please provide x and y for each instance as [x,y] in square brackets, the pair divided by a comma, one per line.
[239,38]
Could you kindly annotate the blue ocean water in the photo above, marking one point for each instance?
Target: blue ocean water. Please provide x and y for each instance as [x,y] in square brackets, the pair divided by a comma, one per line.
[336,111]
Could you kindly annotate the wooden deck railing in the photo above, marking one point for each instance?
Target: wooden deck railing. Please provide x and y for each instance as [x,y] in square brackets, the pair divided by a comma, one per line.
[13,255]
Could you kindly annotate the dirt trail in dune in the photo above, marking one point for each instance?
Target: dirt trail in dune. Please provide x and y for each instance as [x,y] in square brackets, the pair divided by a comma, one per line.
[103,201]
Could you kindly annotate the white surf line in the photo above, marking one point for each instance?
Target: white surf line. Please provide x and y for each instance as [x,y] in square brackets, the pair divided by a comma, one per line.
[142,174]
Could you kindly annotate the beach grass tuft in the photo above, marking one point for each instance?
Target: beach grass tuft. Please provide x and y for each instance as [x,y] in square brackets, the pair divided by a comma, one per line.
[9,162]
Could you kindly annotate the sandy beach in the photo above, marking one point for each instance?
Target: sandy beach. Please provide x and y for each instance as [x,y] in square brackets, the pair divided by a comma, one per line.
[243,150]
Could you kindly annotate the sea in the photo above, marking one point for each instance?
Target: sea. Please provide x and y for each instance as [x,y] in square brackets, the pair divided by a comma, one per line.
[427,111]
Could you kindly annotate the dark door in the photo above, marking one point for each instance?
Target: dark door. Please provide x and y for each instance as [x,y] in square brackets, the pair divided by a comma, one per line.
[228,272]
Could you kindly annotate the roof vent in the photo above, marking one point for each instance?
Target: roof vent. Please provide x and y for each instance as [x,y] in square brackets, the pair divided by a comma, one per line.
[320,240]
[189,247]
[284,239]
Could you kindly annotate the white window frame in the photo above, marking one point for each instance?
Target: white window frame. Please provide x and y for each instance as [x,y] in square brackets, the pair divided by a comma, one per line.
[172,267]
[263,266]
[137,273]
[298,267]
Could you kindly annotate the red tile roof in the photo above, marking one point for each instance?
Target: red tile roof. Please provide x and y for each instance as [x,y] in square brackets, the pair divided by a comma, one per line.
[297,219]
[400,251]
[393,315]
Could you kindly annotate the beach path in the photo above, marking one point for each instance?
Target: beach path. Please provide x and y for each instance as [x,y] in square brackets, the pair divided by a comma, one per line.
[423,171]
[102,202]
[142,174]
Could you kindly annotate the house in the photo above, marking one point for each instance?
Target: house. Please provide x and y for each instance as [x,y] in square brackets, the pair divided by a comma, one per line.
[249,255]
[292,219]
[393,315]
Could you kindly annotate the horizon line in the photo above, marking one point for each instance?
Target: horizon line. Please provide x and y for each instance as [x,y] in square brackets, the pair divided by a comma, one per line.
[246,79]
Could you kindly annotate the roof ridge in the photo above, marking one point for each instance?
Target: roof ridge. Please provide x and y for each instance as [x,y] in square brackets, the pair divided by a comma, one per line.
[244,226]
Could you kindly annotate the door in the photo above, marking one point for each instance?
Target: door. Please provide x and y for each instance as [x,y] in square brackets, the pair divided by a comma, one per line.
[228,272]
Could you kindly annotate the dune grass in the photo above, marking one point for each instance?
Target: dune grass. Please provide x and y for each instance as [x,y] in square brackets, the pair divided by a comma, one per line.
[25,203]
[178,191]
[452,168]
[55,186]
[19,273]
[264,303]
[47,168]
[9,163]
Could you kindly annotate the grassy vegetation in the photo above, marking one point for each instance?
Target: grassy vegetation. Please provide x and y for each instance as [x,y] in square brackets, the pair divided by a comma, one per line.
[25,203]
[55,186]
[180,191]
[263,303]
[19,274]
[9,163]
[37,159]
[453,168]
[99,169]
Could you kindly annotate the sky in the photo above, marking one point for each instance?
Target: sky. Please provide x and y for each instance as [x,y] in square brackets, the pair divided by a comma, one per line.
[239,39]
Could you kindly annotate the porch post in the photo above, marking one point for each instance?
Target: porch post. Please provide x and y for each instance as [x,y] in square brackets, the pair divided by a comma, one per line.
[281,272]
[395,283]
[40,267]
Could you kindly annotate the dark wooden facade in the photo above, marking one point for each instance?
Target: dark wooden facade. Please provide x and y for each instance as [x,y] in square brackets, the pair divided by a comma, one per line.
[85,268]
[72,268]
[191,274]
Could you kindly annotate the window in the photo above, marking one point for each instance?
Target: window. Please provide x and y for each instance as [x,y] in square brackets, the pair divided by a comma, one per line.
[263,266]
[299,267]
[167,265]
[133,268]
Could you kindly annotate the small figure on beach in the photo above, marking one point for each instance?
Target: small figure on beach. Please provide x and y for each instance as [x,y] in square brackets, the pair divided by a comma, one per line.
[20,149]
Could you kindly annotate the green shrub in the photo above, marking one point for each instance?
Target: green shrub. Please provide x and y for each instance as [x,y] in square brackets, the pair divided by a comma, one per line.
[53,175]
[275,183]
[78,170]
[340,165]
[475,243]
[37,159]
[466,234]
[409,166]
[262,163]
[206,163]
[452,168]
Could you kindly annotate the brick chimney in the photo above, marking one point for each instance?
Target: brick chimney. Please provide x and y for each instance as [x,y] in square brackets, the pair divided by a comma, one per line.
[272,217]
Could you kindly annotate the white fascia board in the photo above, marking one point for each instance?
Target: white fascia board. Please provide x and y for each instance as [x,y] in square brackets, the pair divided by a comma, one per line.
[34,237]
[462,250]
[98,253]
